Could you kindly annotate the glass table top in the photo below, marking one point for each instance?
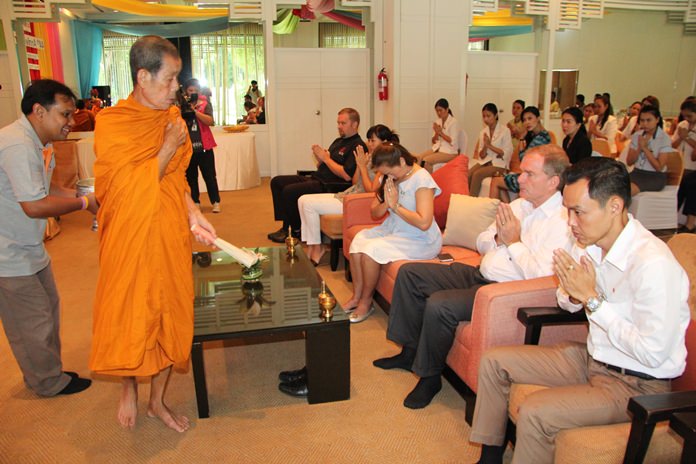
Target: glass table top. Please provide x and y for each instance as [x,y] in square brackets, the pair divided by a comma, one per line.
[285,296]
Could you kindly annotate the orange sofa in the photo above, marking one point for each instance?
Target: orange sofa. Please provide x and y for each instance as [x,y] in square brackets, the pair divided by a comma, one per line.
[494,318]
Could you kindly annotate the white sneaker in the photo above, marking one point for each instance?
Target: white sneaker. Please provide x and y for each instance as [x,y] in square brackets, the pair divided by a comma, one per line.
[216,207]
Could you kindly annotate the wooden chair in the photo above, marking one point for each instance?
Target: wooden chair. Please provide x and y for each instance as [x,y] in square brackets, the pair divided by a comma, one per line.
[648,436]
[601,146]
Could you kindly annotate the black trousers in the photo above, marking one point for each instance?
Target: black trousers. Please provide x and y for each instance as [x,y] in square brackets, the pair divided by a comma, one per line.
[286,191]
[206,162]
[687,192]
[429,302]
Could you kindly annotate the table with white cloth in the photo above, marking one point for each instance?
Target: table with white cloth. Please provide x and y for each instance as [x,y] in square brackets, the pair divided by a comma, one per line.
[236,164]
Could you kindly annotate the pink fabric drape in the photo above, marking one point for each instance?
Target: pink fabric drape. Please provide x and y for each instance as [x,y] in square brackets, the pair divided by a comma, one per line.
[54,48]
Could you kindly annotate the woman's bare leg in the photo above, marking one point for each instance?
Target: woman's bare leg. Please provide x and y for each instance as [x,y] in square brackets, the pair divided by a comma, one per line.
[370,276]
[357,274]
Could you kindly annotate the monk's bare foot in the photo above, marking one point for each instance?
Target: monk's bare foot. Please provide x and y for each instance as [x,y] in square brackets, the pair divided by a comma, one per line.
[128,406]
[166,415]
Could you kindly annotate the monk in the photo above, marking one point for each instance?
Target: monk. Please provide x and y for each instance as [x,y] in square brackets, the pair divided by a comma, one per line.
[143,309]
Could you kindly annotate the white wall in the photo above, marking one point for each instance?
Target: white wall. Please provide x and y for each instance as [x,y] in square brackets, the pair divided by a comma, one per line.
[629,54]
[499,78]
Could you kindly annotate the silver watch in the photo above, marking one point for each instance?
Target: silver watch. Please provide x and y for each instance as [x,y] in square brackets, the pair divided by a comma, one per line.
[594,302]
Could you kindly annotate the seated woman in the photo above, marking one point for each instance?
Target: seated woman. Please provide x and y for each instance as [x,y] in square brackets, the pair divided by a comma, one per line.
[516,125]
[445,137]
[684,139]
[313,205]
[536,135]
[493,150]
[407,193]
[603,124]
[576,144]
[648,152]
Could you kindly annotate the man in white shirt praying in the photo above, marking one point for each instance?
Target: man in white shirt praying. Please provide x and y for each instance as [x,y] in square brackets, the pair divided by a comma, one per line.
[635,295]
[430,300]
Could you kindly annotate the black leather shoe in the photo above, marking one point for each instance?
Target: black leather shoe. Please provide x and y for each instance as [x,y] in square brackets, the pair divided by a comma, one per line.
[298,388]
[76,385]
[278,236]
[291,376]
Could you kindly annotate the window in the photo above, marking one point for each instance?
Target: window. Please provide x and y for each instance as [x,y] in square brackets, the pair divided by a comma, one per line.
[226,62]
[112,71]
[335,35]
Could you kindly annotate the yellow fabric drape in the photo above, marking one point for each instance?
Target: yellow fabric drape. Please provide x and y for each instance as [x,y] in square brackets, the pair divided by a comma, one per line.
[153,9]
[502,17]
[45,62]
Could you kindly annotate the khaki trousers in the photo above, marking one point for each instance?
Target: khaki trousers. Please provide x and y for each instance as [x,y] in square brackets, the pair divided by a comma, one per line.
[431,158]
[582,393]
[29,309]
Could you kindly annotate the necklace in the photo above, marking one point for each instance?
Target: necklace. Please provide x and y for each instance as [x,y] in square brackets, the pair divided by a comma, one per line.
[408,173]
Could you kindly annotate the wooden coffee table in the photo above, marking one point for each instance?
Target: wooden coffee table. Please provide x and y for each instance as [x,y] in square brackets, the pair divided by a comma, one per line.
[227,307]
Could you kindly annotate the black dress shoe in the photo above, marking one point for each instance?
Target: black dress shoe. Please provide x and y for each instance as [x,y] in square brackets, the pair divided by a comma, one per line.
[278,236]
[76,385]
[298,388]
[291,376]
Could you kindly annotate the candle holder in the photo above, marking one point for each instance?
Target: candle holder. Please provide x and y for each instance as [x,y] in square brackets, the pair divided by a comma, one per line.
[290,243]
[327,303]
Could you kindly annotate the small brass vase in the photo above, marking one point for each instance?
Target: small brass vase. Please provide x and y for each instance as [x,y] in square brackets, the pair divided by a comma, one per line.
[327,303]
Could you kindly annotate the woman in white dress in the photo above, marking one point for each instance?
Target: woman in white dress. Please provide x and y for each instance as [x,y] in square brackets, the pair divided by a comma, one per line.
[603,125]
[493,150]
[314,205]
[445,137]
[407,194]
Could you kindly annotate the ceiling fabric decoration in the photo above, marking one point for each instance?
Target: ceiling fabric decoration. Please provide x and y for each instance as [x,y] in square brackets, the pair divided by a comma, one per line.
[498,24]
[345,19]
[287,22]
[170,30]
[153,9]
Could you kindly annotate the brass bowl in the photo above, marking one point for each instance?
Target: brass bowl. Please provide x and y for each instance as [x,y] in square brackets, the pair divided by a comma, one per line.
[235,128]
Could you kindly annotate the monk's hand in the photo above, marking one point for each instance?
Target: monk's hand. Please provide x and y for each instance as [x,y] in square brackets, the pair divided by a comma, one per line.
[577,279]
[507,225]
[93,206]
[174,135]
[203,231]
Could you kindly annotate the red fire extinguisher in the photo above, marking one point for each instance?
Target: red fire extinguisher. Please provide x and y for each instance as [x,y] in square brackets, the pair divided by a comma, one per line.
[383,85]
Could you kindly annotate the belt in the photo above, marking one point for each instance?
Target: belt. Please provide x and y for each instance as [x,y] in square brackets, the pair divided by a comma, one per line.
[624,371]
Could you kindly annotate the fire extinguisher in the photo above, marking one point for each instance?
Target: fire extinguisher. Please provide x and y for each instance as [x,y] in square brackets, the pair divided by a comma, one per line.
[383,85]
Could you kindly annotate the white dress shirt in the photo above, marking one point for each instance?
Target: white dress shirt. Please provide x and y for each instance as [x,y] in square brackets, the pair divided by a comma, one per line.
[544,229]
[451,129]
[500,139]
[642,324]
[608,130]
[684,147]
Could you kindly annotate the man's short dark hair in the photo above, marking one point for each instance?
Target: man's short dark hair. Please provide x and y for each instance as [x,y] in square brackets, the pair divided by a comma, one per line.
[80,104]
[254,83]
[147,53]
[606,178]
[43,92]
[353,115]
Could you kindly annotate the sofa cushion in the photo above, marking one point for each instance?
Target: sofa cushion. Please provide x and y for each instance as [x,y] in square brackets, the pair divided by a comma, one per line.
[467,218]
[451,178]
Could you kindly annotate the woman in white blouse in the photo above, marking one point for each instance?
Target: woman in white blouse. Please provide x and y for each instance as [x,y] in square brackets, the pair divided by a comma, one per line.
[493,149]
[684,139]
[445,137]
[603,125]
[648,152]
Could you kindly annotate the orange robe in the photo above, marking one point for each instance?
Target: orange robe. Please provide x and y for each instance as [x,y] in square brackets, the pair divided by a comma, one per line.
[143,308]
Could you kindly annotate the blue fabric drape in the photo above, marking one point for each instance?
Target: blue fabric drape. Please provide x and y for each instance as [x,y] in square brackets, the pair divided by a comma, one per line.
[170,30]
[89,48]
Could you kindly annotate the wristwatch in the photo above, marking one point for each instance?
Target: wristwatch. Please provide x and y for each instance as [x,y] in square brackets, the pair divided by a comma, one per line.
[594,302]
